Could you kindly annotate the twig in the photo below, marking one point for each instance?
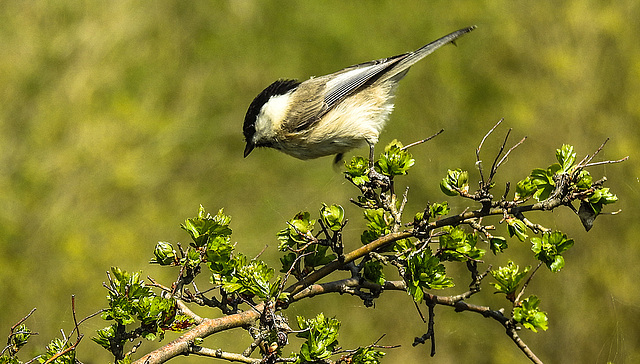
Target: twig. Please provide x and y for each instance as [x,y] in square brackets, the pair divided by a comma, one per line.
[61,353]
[404,201]
[23,319]
[526,283]
[513,334]
[606,162]
[478,161]
[187,311]
[494,165]
[158,285]
[13,328]
[422,141]
[89,316]
[75,321]
[509,151]
[374,345]
[262,251]
[430,334]
[487,135]
[207,327]
[293,265]
[419,312]
[590,158]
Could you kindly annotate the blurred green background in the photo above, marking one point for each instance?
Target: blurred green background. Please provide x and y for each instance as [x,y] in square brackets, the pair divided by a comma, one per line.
[119,118]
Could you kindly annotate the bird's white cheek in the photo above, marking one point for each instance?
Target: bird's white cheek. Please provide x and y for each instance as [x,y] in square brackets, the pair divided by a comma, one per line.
[271,116]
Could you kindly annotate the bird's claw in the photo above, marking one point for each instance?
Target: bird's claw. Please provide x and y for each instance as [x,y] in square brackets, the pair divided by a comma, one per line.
[379,180]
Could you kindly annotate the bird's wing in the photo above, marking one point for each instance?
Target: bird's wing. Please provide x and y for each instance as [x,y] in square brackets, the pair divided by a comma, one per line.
[311,106]
[337,86]
[345,82]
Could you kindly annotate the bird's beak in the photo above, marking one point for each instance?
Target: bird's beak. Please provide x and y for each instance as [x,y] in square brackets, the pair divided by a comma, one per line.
[248,148]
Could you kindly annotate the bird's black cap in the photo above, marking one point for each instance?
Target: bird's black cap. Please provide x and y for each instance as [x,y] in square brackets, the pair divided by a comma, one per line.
[279,87]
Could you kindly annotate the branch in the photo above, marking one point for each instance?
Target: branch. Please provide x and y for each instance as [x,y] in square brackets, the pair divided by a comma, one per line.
[513,334]
[349,285]
[183,344]
[347,258]
[388,239]
[233,357]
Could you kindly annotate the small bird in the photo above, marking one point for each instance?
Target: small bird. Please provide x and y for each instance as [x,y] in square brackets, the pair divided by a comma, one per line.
[331,114]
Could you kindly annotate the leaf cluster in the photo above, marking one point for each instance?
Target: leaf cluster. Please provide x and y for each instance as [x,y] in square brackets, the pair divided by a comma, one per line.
[529,315]
[131,302]
[321,338]
[306,251]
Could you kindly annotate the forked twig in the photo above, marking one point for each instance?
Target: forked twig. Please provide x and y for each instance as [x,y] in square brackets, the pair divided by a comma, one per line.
[478,161]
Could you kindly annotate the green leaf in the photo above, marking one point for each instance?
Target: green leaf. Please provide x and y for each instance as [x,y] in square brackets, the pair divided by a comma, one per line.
[218,255]
[318,256]
[357,170]
[193,258]
[367,355]
[105,336]
[601,197]
[542,179]
[549,248]
[497,244]
[372,272]
[403,248]
[287,261]
[299,231]
[425,271]
[508,279]
[529,315]
[457,245]
[55,349]
[525,188]
[584,180]
[155,311]
[394,161]
[378,224]
[455,182]
[518,228]
[251,278]
[19,338]
[163,254]
[205,226]
[321,338]
[332,216]
[566,157]
[439,209]
[377,220]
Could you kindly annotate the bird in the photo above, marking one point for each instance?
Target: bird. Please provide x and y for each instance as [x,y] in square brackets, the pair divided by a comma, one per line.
[334,113]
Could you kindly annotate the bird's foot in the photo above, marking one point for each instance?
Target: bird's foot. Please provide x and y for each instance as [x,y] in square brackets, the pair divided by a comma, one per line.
[379,180]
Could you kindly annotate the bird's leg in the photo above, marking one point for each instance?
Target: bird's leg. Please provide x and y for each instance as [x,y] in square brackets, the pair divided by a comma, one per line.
[377,178]
[371,156]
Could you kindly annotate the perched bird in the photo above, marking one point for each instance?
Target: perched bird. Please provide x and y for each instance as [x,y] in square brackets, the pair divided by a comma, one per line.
[331,114]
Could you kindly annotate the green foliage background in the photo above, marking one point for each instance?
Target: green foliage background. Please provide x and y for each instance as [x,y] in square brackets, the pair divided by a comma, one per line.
[118,119]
